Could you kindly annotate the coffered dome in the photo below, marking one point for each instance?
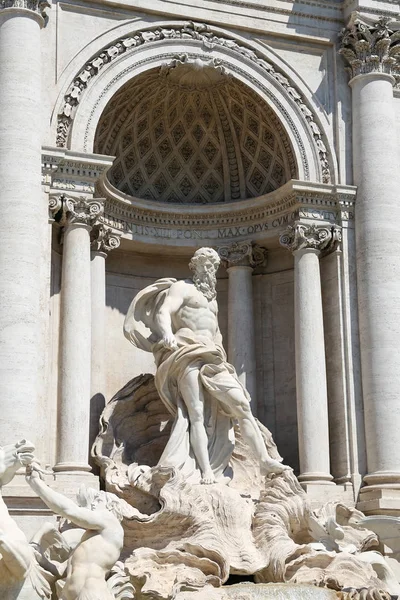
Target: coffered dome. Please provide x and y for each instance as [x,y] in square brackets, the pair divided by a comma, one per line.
[192,134]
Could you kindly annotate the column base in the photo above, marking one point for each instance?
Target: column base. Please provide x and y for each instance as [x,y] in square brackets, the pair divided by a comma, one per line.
[321,494]
[316,478]
[68,467]
[381,495]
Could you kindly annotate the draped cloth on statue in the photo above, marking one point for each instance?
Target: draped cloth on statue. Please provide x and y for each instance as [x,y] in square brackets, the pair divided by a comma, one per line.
[216,376]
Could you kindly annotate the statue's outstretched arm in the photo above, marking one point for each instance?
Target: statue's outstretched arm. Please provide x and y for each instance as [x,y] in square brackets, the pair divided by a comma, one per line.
[59,504]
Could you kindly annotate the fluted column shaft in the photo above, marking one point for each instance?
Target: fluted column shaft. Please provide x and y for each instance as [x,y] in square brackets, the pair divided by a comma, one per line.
[306,243]
[376,155]
[75,352]
[22,219]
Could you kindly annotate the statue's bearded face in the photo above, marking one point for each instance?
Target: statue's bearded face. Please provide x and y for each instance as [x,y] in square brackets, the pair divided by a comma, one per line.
[204,278]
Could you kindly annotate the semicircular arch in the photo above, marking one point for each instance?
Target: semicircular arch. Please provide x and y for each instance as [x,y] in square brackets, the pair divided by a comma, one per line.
[85,99]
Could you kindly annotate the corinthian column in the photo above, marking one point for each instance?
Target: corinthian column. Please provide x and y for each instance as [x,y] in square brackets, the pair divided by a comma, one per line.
[79,216]
[22,221]
[371,50]
[103,240]
[306,242]
[241,258]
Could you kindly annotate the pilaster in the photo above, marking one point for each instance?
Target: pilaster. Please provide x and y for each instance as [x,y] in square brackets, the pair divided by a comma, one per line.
[103,241]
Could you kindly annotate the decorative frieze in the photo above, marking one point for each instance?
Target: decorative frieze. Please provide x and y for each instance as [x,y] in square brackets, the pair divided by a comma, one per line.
[38,6]
[322,238]
[67,210]
[372,47]
[242,253]
[103,239]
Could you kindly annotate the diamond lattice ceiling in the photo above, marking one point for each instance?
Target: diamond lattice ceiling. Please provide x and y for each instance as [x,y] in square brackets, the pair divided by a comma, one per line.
[193,137]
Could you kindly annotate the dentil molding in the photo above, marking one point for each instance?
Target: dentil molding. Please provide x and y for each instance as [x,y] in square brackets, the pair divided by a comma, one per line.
[261,219]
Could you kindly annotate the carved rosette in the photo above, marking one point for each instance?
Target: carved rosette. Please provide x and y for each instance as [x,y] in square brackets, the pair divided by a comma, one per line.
[242,254]
[372,47]
[103,239]
[67,210]
[37,6]
[321,238]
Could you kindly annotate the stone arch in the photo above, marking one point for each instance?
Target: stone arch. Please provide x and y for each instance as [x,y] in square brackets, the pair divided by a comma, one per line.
[85,99]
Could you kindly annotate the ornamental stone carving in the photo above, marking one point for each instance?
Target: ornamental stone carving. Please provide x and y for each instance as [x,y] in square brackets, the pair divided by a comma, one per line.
[38,6]
[192,135]
[372,47]
[103,239]
[83,211]
[321,238]
[209,40]
[242,254]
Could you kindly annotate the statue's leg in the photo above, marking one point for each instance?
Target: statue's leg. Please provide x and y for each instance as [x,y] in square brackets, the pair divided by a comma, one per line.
[192,394]
[239,407]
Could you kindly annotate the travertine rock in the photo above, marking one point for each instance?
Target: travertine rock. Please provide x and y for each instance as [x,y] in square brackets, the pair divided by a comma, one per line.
[180,535]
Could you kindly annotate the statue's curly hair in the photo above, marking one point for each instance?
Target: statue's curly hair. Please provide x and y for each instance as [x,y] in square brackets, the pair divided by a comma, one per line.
[202,255]
[87,497]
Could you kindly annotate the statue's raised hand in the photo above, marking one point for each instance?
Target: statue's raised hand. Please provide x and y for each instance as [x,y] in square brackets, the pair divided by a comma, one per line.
[14,456]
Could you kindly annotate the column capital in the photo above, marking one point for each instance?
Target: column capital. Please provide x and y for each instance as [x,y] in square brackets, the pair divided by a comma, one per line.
[321,238]
[103,239]
[245,254]
[67,210]
[371,46]
[37,6]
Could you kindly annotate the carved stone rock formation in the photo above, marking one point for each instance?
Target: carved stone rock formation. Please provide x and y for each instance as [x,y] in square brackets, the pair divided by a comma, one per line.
[182,537]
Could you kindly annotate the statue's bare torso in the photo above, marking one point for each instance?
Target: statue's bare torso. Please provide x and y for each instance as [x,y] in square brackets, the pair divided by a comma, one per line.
[193,310]
[86,574]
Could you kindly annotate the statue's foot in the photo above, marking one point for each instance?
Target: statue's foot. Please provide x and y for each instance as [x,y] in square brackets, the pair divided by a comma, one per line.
[273,466]
[208,478]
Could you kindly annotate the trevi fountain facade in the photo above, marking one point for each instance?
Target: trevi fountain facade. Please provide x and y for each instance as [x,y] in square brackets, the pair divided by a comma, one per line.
[199,314]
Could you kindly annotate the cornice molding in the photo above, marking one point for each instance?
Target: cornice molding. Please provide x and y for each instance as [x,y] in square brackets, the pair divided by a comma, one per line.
[258,219]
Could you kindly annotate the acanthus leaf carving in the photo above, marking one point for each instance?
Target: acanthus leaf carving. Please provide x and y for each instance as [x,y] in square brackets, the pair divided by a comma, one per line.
[372,47]
[38,6]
